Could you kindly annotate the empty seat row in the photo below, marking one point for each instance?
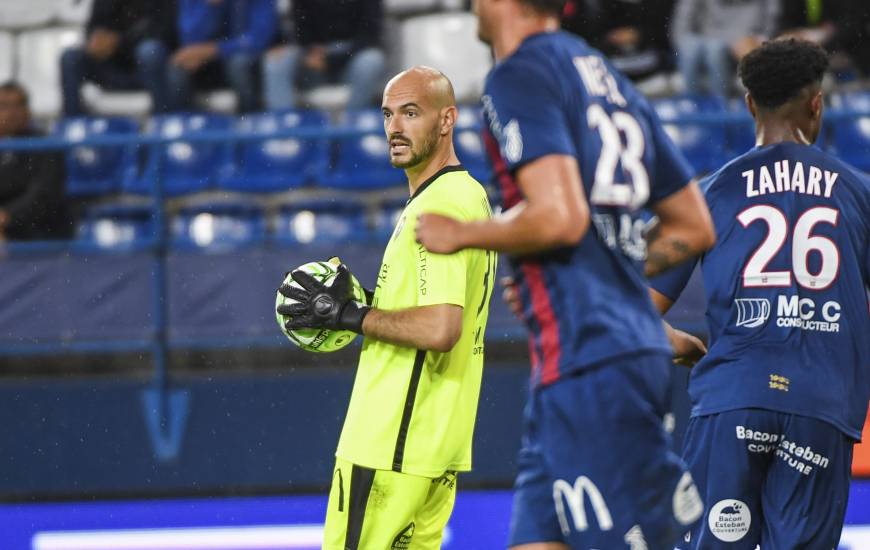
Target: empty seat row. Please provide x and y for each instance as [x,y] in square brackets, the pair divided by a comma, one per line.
[257,161]
[228,224]
[708,144]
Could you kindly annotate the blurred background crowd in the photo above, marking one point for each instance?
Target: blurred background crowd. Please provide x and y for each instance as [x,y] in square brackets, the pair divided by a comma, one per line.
[78,68]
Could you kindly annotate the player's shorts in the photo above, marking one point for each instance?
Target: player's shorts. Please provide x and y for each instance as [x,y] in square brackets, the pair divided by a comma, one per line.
[775,479]
[385,510]
[596,469]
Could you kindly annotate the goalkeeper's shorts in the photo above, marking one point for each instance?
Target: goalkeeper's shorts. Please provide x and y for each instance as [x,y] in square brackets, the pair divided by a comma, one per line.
[385,510]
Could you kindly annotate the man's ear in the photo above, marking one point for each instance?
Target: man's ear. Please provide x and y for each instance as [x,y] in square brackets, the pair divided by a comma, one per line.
[750,104]
[448,119]
[816,105]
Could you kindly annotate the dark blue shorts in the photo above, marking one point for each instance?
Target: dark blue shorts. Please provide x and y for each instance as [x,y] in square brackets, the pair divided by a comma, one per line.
[596,468]
[768,478]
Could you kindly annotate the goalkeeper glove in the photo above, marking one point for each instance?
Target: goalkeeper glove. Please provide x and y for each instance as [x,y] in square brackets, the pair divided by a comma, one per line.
[321,306]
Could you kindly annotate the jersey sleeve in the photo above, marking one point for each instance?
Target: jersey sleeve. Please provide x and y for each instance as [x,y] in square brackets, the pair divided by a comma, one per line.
[530,123]
[672,171]
[671,283]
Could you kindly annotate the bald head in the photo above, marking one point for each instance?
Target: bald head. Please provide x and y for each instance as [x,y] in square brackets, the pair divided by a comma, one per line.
[429,86]
[419,114]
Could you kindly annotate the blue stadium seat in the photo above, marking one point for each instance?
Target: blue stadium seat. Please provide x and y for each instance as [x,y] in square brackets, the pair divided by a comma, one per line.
[741,134]
[671,107]
[218,226]
[322,221]
[850,140]
[185,167]
[363,162]
[850,135]
[469,143]
[94,170]
[387,217]
[858,100]
[702,143]
[116,226]
[277,164]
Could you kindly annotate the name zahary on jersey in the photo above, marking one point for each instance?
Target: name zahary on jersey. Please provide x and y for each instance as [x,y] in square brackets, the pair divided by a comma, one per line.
[784,178]
[791,312]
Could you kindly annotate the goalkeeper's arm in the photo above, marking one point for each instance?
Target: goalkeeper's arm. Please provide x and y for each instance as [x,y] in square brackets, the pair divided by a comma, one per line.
[435,328]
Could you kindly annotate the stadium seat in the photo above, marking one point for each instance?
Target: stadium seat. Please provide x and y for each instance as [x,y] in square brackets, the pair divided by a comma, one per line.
[469,144]
[669,108]
[386,218]
[74,12]
[847,135]
[703,143]
[741,133]
[218,226]
[321,221]
[22,14]
[277,164]
[858,100]
[363,161]
[7,56]
[116,226]
[447,41]
[850,140]
[185,166]
[97,170]
[38,54]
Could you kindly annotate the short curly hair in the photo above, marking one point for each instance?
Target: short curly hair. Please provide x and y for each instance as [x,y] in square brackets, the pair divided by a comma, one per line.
[555,7]
[777,71]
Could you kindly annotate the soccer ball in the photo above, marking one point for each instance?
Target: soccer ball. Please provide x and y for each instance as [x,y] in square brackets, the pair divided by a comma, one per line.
[316,339]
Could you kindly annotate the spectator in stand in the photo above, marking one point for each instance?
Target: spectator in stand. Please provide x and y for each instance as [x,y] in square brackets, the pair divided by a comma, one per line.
[222,42]
[712,35]
[32,201]
[840,26]
[126,48]
[631,33]
[330,41]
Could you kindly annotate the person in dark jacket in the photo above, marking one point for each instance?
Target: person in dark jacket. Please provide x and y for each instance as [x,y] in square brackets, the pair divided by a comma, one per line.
[631,33]
[330,41]
[32,201]
[221,42]
[127,44]
[840,26]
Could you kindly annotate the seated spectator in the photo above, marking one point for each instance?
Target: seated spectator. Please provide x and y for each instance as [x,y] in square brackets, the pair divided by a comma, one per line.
[32,201]
[632,34]
[840,26]
[221,43]
[331,41]
[712,35]
[126,48]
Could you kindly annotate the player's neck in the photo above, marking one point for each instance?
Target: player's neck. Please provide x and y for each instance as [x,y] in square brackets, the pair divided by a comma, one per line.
[515,30]
[772,132]
[425,170]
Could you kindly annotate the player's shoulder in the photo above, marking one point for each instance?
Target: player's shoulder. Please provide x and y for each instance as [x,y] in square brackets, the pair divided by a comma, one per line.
[457,193]
[537,60]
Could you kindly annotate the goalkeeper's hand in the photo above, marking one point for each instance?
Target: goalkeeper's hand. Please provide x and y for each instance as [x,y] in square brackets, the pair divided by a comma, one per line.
[321,306]
[369,294]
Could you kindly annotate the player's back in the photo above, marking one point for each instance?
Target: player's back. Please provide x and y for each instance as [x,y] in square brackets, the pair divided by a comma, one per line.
[786,287]
[587,304]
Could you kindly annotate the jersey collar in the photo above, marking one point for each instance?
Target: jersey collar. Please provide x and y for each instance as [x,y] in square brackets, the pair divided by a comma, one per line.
[435,176]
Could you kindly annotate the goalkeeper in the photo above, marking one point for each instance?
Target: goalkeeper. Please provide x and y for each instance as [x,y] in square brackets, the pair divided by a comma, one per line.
[411,417]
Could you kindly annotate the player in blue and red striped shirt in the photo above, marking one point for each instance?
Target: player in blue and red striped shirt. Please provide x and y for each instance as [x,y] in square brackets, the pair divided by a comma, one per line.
[577,152]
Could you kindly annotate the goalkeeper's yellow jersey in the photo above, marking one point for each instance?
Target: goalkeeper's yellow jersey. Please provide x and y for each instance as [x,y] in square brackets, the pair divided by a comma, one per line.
[413,411]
